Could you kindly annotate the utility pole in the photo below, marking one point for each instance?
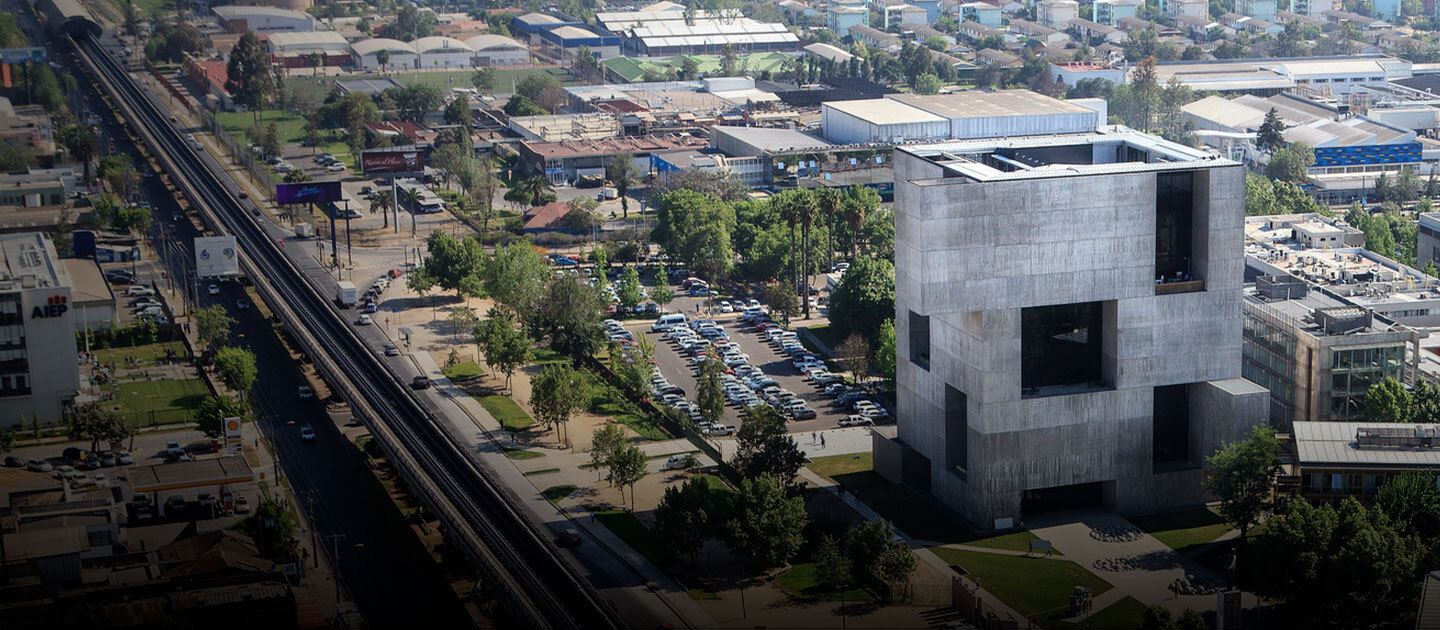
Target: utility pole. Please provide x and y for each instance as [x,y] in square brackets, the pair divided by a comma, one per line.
[335,561]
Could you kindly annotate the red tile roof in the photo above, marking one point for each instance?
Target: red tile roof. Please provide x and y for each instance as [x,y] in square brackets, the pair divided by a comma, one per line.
[547,217]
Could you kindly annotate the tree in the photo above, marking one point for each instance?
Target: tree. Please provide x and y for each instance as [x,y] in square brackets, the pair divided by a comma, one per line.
[709,396]
[414,102]
[7,439]
[531,191]
[627,467]
[832,567]
[558,392]
[505,346]
[1240,476]
[455,264]
[927,83]
[1412,502]
[1271,136]
[248,78]
[213,325]
[544,90]
[457,112]
[1387,401]
[586,66]
[569,316]
[864,299]
[271,143]
[95,424]
[865,543]
[661,293]
[273,529]
[685,515]
[63,233]
[382,57]
[461,319]
[81,142]
[521,105]
[314,60]
[764,448]
[765,523]
[1156,618]
[1291,163]
[628,289]
[853,354]
[236,368]
[620,170]
[603,443]
[212,411]
[885,350]
[383,202]
[1191,620]
[483,80]
[895,565]
[783,301]
[516,277]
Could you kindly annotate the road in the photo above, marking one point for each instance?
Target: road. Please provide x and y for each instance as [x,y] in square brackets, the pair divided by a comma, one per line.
[383,577]
[504,542]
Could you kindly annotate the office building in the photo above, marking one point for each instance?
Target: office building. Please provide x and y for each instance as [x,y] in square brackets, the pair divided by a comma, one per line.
[982,12]
[1336,460]
[1312,8]
[1109,12]
[39,372]
[1258,9]
[1176,8]
[1057,14]
[1067,322]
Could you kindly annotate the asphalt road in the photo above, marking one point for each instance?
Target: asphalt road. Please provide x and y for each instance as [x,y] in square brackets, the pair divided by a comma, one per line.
[383,574]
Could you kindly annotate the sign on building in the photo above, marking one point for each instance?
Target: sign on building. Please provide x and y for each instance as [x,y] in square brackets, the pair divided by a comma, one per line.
[392,161]
[308,192]
[216,256]
[234,442]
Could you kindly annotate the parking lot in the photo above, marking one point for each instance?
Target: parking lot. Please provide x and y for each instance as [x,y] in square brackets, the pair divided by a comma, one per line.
[679,369]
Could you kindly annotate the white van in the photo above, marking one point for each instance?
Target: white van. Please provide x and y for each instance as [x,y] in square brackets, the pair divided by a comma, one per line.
[666,322]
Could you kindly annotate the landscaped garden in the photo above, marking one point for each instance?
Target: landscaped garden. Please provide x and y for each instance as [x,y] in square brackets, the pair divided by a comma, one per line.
[1031,586]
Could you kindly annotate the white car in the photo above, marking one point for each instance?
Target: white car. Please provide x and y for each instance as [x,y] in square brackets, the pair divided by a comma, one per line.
[719,429]
[214,289]
[364,320]
[137,290]
[855,421]
[283,168]
[725,307]
[242,304]
[335,168]
[102,480]
[38,465]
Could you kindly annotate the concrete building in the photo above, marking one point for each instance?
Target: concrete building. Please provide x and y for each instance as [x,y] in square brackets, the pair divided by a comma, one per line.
[566,161]
[1057,14]
[1068,323]
[498,50]
[1312,8]
[443,52]
[901,15]
[28,125]
[1197,8]
[832,54]
[841,19]
[37,187]
[365,55]
[1076,71]
[1335,75]
[294,50]
[90,295]
[982,12]
[235,18]
[1427,248]
[530,25]
[667,33]
[933,8]
[1336,460]
[1109,12]
[1258,9]
[564,42]
[39,373]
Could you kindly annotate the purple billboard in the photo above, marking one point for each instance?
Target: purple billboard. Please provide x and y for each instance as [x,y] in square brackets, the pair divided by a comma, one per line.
[307,192]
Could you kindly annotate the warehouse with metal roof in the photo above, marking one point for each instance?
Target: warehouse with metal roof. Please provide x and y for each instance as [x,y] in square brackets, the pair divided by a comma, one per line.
[899,118]
[661,33]
[498,50]
[366,54]
[261,19]
[443,52]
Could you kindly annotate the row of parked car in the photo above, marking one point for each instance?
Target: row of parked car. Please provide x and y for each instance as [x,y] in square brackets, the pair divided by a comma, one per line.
[866,411]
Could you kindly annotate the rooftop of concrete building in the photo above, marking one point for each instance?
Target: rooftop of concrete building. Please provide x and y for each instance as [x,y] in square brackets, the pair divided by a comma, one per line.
[1313,310]
[1309,121]
[1068,155]
[1359,275]
[776,140]
[30,262]
[612,146]
[87,283]
[980,104]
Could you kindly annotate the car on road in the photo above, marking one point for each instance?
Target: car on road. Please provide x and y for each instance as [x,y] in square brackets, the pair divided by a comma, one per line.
[421,382]
[12,461]
[364,320]
[81,480]
[174,449]
[307,433]
[391,350]
[242,304]
[214,289]
[177,217]
[369,308]
[569,538]
[123,458]
[855,420]
[306,392]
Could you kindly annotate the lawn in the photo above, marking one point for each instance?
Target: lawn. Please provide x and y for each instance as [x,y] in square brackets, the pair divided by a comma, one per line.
[510,415]
[642,425]
[317,87]
[635,534]
[695,587]
[545,356]
[831,466]
[520,453]
[461,372]
[1183,530]
[158,402]
[555,493]
[149,354]
[1031,586]
[825,334]
[290,127]
[801,582]
[1122,614]
[542,471]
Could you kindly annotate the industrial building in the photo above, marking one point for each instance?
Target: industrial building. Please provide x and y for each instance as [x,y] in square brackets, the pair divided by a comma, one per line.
[1334,460]
[1067,323]
[235,18]
[771,153]
[565,41]
[663,33]
[39,376]
[1332,75]
[498,50]
[530,25]
[365,55]
[293,50]
[566,161]
[443,52]
[901,118]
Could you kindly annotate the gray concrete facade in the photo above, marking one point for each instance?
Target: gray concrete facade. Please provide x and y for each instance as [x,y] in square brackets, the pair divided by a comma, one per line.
[975,245]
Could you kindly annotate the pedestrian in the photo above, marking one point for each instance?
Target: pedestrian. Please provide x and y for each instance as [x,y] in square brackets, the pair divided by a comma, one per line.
[812,437]
[822,440]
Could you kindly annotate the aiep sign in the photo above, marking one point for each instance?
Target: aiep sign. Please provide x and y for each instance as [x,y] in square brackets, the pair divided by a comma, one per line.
[392,161]
[55,306]
[307,192]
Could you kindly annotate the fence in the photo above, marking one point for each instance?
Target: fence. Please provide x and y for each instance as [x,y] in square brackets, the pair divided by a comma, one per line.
[157,417]
[258,170]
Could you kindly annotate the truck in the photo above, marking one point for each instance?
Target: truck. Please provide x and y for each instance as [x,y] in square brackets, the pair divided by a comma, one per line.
[304,230]
[346,294]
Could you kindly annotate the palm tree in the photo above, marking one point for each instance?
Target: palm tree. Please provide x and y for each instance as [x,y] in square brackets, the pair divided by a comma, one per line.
[789,214]
[314,59]
[830,201]
[408,198]
[382,57]
[805,213]
[382,203]
[82,143]
[855,216]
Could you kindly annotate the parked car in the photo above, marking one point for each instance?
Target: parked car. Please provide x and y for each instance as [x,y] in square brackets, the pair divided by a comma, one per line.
[242,505]
[855,421]
[12,461]
[719,429]
[38,465]
[680,462]
[174,449]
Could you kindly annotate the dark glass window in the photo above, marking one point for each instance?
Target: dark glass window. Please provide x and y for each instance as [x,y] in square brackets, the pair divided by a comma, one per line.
[1174,210]
[1061,345]
[1170,425]
[957,430]
[920,340]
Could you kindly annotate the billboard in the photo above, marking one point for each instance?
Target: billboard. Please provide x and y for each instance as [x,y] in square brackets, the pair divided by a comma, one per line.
[234,441]
[307,192]
[392,161]
[216,256]
[22,55]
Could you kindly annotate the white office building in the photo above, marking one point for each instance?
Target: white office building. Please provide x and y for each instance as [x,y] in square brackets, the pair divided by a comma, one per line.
[39,373]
